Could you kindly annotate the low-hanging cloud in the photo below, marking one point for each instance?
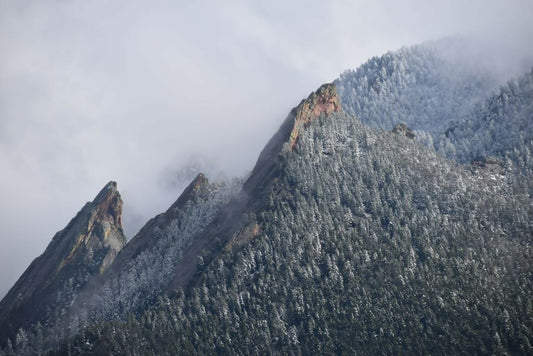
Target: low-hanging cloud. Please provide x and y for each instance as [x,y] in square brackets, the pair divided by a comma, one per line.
[92,91]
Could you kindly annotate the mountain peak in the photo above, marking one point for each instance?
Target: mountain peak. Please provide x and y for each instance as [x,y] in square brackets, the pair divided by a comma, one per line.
[323,101]
[85,247]
[109,189]
[198,184]
[102,229]
[108,205]
[198,187]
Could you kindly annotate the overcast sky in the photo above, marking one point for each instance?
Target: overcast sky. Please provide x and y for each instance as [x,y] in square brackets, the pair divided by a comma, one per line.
[133,91]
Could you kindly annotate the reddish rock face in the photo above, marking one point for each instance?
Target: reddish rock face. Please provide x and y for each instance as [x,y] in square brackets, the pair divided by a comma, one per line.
[323,101]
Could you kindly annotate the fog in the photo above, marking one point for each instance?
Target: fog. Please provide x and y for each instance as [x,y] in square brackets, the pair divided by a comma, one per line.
[149,93]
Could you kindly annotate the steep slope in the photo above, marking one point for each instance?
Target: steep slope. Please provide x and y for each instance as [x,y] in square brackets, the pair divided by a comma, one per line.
[347,240]
[146,265]
[174,248]
[233,227]
[85,247]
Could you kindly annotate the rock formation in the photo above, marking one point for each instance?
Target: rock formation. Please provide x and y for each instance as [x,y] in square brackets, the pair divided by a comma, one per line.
[323,101]
[402,129]
[85,247]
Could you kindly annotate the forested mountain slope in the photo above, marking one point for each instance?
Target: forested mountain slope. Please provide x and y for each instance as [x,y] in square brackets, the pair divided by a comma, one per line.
[369,243]
[452,104]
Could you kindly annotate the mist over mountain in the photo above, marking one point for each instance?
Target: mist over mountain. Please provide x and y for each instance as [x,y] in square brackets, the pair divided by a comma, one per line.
[419,86]
[190,79]
[501,126]
[448,93]
[391,213]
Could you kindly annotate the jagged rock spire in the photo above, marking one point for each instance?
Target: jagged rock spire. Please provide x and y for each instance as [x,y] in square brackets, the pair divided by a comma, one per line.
[85,247]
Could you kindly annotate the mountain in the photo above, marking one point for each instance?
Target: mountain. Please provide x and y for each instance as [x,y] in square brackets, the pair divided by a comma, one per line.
[370,224]
[146,265]
[450,101]
[205,218]
[356,240]
[85,247]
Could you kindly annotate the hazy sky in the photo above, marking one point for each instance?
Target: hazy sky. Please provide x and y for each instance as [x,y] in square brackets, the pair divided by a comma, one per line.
[132,91]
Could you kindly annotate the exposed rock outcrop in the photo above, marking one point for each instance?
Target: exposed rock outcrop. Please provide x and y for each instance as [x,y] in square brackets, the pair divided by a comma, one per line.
[324,101]
[492,170]
[87,246]
[403,130]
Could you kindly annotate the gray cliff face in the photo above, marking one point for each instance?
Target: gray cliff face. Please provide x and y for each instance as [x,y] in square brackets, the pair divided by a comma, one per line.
[85,247]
